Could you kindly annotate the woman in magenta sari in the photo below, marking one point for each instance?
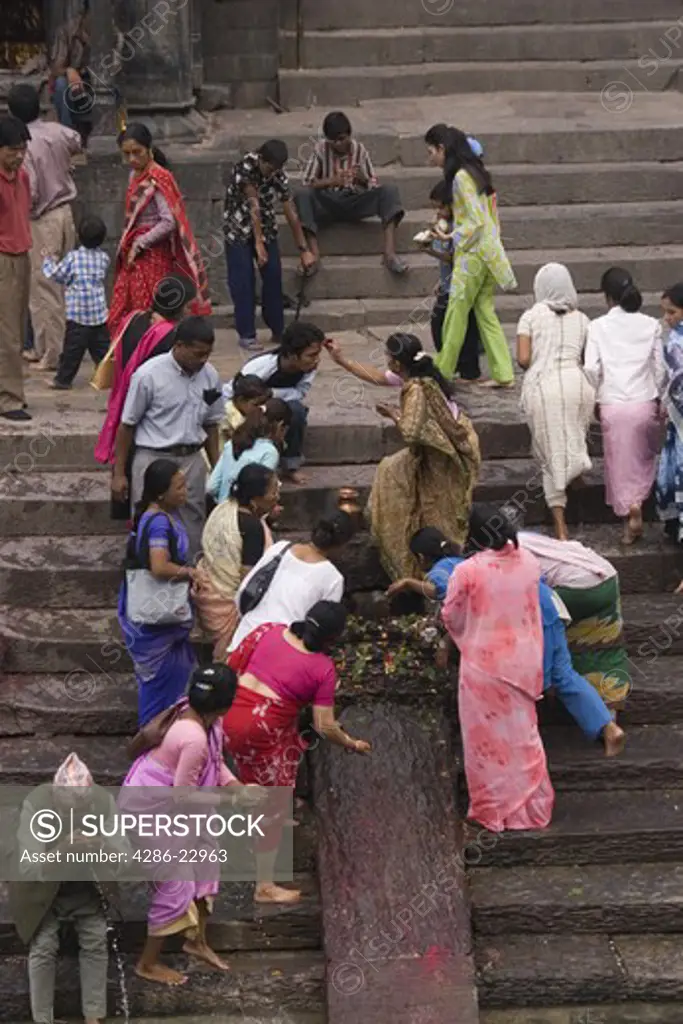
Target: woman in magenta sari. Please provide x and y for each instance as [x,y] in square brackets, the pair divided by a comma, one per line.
[190,754]
[492,614]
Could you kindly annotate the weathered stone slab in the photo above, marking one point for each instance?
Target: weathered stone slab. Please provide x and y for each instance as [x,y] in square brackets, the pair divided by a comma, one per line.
[347,87]
[594,831]
[404,944]
[325,14]
[604,1013]
[616,898]
[537,971]
[354,47]
[260,984]
[236,924]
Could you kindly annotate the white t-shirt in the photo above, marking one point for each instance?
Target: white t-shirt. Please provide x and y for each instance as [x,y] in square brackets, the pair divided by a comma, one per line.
[295,588]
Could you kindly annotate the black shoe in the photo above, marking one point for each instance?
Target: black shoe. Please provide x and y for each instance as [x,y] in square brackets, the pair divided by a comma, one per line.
[16,415]
[57,385]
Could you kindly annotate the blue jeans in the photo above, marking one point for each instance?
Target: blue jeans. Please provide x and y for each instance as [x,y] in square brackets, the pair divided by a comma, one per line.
[582,701]
[241,261]
[60,101]
[292,457]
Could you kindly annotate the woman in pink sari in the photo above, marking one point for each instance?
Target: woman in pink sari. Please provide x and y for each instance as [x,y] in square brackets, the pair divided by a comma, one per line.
[143,334]
[492,614]
[189,754]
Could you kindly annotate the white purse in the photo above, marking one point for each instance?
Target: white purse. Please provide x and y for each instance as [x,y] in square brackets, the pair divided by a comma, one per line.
[151,601]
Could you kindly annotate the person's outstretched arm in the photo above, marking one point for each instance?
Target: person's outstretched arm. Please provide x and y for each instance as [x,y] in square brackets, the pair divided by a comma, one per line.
[370,374]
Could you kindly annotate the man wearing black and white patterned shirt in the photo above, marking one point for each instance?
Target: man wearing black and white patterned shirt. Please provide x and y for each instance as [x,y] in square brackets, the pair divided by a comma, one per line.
[257,181]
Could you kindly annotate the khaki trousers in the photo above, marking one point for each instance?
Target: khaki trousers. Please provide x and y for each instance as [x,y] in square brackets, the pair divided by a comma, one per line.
[55,232]
[15,279]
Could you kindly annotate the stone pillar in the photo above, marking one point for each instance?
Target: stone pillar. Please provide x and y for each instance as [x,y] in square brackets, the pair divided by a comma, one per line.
[104,68]
[158,66]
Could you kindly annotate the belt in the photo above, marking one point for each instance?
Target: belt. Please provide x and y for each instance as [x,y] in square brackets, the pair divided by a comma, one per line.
[179,449]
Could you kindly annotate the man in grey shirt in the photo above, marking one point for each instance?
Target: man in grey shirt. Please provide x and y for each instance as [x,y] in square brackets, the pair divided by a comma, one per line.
[173,410]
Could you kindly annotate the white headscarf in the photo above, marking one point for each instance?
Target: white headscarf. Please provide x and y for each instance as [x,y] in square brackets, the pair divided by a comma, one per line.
[553,286]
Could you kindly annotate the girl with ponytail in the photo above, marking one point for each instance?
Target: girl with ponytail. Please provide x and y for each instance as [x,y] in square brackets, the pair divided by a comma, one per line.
[157,239]
[624,361]
[282,671]
[479,260]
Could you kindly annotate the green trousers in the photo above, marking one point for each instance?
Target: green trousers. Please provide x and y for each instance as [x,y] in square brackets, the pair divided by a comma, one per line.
[473,288]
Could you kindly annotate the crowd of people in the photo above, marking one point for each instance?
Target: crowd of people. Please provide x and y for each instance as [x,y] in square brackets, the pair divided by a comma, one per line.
[197,463]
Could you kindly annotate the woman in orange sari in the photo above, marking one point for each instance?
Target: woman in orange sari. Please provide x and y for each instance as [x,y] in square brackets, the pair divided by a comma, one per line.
[157,239]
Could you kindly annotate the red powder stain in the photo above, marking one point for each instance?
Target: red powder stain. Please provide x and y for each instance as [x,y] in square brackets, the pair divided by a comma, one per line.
[434,959]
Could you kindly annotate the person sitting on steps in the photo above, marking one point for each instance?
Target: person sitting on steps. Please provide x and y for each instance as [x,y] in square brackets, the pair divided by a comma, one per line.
[340,186]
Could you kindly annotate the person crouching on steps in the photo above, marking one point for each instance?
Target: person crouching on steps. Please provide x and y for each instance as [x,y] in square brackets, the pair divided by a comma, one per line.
[250,229]
[468,368]
[289,371]
[83,271]
[341,187]
[42,905]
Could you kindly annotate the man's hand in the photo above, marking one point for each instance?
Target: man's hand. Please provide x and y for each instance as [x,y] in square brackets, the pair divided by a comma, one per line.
[119,486]
[307,259]
[262,254]
[74,79]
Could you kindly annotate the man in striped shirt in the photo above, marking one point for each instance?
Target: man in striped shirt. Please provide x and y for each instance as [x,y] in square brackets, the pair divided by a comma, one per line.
[340,186]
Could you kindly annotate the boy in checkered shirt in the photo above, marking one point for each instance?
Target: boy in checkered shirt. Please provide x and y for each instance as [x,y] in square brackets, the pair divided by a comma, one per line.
[83,272]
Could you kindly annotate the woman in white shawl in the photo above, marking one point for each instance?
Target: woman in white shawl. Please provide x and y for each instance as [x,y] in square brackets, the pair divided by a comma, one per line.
[557,400]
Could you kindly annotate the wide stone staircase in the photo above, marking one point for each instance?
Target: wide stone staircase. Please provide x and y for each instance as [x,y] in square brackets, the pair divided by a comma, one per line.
[583,923]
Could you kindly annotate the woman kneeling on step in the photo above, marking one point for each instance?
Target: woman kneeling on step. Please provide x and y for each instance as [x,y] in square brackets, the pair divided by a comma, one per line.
[188,752]
[283,670]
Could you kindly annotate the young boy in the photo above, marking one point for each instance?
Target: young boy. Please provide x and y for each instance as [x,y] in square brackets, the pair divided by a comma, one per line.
[83,271]
[257,181]
[340,185]
[468,363]
[288,372]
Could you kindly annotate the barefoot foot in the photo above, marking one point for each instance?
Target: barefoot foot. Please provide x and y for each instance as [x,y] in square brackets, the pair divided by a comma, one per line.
[161,974]
[204,952]
[614,739]
[295,476]
[268,892]
[679,588]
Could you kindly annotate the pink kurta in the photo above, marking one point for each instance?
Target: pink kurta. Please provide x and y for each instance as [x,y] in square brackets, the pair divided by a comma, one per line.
[492,613]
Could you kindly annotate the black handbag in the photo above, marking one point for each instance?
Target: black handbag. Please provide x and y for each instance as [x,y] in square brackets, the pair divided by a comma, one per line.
[256,588]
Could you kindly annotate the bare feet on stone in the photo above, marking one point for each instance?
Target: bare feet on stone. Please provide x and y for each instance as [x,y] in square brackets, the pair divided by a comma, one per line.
[204,952]
[162,975]
[633,528]
[268,892]
[614,738]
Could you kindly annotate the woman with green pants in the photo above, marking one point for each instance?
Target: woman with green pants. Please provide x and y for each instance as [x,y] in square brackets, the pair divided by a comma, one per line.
[479,260]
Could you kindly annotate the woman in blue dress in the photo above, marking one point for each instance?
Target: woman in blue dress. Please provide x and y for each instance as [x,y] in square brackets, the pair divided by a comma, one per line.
[669,485]
[162,655]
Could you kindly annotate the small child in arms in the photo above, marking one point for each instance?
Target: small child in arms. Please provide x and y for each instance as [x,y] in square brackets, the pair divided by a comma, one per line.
[468,364]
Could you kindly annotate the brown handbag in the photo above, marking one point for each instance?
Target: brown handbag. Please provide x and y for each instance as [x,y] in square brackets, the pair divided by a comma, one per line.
[152,734]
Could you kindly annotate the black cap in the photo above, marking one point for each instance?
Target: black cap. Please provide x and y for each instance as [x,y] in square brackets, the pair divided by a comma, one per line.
[13,132]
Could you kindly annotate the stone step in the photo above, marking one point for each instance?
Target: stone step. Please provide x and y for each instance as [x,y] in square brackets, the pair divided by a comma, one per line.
[539,971]
[633,898]
[259,986]
[552,184]
[325,14]
[87,703]
[355,47]
[522,227]
[28,503]
[618,81]
[63,572]
[336,315]
[237,924]
[343,277]
[514,127]
[633,1012]
[608,827]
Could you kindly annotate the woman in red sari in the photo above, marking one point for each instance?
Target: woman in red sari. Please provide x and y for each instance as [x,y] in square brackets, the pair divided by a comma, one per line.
[157,239]
[281,671]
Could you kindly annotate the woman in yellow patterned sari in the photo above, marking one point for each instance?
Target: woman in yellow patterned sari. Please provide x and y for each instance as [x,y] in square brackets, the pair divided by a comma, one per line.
[430,482]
